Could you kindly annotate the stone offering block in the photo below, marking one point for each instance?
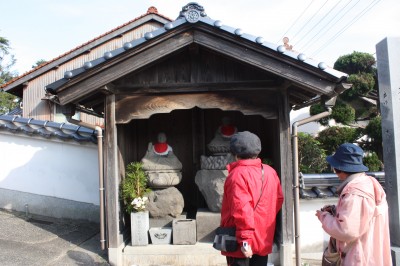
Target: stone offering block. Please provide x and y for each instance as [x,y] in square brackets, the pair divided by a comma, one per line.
[160,236]
[139,228]
[206,224]
[184,232]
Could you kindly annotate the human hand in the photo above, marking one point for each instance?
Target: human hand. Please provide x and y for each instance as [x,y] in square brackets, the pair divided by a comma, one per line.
[329,208]
[246,250]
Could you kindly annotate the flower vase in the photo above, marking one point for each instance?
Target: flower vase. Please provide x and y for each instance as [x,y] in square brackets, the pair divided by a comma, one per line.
[139,228]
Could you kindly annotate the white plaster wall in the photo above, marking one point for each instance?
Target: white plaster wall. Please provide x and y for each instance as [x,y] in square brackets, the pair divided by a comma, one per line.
[313,238]
[49,167]
[310,128]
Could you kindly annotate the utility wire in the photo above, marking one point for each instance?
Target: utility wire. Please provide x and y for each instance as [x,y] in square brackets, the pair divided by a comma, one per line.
[326,44]
[295,21]
[310,19]
[326,30]
[318,23]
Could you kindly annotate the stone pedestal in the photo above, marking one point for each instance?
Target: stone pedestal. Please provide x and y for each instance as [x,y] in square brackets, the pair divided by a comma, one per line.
[139,228]
[206,223]
[184,232]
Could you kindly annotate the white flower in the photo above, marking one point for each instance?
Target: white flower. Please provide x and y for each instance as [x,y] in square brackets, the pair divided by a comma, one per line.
[139,203]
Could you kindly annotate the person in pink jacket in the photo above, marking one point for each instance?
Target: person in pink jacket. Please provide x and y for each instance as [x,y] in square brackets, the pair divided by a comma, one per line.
[360,224]
[252,198]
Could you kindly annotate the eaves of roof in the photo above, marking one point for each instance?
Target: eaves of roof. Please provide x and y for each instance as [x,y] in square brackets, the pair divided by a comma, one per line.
[17,83]
[47,129]
[194,13]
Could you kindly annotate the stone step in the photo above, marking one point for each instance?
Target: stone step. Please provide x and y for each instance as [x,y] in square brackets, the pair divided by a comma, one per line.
[200,254]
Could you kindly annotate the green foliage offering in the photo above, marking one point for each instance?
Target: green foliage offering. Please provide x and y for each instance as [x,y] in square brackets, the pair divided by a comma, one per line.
[372,161]
[332,137]
[311,156]
[343,113]
[134,185]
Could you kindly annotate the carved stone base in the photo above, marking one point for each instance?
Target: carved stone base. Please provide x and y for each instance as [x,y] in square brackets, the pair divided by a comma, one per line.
[211,185]
[163,179]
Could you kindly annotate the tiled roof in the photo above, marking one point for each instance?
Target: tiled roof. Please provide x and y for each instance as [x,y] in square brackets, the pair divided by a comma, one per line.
[313,186]
[15,112]
[151,10]
[194,13]
[47,129]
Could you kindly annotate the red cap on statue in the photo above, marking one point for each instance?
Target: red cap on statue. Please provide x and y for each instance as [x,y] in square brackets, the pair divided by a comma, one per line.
[161,147]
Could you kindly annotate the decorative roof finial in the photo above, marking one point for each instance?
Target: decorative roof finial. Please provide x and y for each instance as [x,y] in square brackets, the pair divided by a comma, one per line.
[152,10]
[192,12]
[286,44]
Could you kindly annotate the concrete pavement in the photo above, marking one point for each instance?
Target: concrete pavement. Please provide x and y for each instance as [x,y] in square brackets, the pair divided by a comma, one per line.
[38,240]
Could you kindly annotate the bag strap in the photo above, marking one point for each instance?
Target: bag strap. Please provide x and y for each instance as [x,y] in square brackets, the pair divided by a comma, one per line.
[262,187]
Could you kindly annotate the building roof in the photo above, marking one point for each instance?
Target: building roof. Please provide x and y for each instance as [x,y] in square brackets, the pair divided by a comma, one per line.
[15,85]
[317,186]
[193,13]
[47,129]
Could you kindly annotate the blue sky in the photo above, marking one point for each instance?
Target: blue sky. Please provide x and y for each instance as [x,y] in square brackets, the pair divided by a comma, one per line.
[322,29]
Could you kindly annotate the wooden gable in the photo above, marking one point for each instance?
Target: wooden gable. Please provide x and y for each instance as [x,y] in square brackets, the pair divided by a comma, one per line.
[197,58]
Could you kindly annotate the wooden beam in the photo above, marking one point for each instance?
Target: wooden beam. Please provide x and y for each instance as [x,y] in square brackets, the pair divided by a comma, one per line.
[130,107]
[156,88]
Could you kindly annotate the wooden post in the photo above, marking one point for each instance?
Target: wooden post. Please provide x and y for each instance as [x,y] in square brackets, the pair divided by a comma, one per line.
[285,171]
[114,237]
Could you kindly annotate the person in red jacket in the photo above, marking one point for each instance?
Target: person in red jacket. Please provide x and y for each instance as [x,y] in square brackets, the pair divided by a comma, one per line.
[252,198]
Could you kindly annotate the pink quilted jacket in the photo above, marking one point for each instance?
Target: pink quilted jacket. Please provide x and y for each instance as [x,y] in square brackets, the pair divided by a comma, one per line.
[361,224]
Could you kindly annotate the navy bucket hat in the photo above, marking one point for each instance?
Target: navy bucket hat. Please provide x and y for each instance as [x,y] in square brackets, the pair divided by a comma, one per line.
[245,144]
[348,158]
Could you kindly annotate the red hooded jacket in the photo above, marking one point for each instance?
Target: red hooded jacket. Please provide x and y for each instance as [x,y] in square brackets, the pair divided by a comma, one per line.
[241,193]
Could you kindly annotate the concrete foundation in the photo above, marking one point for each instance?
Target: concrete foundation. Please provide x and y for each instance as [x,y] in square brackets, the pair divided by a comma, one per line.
[200,254]
[30,203]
